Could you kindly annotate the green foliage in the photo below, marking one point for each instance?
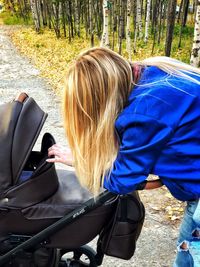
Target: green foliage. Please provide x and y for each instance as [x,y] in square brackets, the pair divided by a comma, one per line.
[188,30]
[13,19]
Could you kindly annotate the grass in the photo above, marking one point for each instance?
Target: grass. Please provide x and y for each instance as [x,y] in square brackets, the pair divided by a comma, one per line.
[8,18]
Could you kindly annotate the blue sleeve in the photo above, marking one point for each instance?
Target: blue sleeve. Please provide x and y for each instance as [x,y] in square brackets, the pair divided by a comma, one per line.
[142,140]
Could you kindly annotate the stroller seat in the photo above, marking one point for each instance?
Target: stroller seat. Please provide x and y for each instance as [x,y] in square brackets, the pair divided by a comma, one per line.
[69,195]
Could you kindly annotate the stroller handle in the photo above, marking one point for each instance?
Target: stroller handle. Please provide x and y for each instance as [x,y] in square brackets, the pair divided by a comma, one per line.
[21,97]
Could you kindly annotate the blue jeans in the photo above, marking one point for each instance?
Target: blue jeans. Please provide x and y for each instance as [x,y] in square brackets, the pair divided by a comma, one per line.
[188,254]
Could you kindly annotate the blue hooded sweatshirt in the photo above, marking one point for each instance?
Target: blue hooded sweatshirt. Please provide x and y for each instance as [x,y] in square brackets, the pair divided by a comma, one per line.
[159,133]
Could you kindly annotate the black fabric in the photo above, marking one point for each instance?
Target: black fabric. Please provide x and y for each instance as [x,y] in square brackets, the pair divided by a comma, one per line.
[9,114]
[119,238]
[42,257]
[20,125]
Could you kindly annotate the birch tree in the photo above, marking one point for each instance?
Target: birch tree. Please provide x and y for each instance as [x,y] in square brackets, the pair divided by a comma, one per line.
[35,14]
[135,31]
[115,19]
[139,15]
[128,29]
[91,22]
[195,55]
[120,28]
[77,18]
[105,35]
[147,20]
[155,23]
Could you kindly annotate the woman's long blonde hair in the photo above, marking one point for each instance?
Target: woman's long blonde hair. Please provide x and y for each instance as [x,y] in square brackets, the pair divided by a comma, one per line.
[98,84]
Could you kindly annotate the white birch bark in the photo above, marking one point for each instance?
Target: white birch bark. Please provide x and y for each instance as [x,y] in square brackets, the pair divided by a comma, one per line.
[77,23]
[139,14]
[91,16]
[136,31]
[105,35]
[35,16]
[147,20]
[195,55]
[128,29]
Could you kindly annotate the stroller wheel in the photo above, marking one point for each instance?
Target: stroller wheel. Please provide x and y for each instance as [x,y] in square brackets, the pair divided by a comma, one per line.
[80,257]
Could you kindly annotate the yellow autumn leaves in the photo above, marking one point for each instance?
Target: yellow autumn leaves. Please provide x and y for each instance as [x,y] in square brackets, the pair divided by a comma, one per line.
[48,54]
[51,55]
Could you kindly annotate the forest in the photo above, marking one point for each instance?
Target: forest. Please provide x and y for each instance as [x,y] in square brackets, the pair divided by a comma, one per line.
[135,29]
[112,22]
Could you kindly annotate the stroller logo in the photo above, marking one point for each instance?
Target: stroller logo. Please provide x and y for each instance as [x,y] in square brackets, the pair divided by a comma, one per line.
[79,213]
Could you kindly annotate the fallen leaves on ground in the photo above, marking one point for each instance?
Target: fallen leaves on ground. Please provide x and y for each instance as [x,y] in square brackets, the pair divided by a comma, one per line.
[160,201]
[50,55]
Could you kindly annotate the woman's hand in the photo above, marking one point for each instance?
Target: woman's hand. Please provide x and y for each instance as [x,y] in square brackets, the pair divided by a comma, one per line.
[61,155]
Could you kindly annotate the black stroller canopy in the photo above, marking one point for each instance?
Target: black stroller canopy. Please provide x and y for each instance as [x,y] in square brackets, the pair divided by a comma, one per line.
[20,124]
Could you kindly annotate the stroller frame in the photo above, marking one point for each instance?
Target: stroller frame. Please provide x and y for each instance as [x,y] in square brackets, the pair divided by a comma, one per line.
[41,238]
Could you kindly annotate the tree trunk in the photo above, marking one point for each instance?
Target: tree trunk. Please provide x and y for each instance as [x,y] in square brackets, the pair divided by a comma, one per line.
[155,23]
[105,36]
[186,12]
[91,23]
[147,20]
[56,9]
[135,28]
[35,16]
[170,26]
[71,20]
[77,18]
[139,14]
[164,16]
[97,19]
[123,14]
[195,55]
[120,30]
[64,18]
[44,12]
[128,29]
[86,15]
[114,30]
[160,13]
[185,7]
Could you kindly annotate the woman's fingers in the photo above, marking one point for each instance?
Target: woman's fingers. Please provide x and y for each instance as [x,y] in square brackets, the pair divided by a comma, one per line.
[53,160]
[54,152]
[60,154]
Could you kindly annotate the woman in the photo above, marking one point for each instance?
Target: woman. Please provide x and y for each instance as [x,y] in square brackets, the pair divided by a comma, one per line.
[124,121]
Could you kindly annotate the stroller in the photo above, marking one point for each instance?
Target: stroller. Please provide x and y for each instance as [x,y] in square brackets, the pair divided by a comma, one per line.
[46,217]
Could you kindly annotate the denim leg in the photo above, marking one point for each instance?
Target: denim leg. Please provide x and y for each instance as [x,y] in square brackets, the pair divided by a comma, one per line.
[195,252]
[195,244]
[188,254]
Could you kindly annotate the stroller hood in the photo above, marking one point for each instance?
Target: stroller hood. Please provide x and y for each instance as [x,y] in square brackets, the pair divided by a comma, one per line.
[20,124]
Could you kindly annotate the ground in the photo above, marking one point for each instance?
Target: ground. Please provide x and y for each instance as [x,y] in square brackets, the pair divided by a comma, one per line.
[156,246]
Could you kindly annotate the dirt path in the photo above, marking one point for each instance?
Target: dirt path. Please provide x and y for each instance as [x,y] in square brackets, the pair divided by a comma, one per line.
[156,245]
